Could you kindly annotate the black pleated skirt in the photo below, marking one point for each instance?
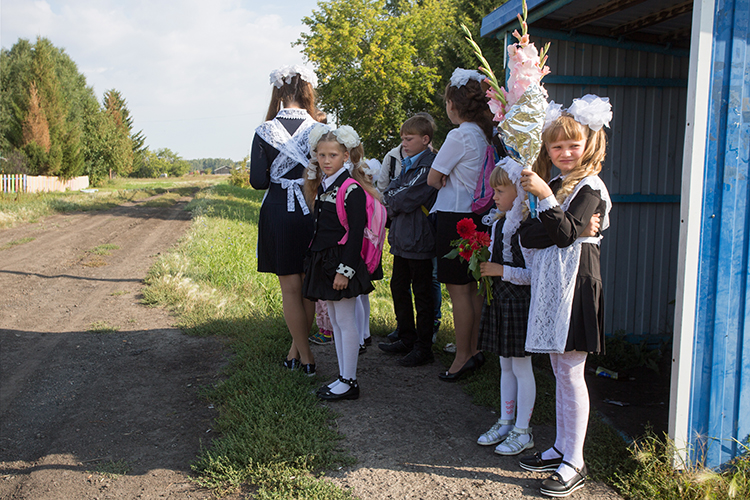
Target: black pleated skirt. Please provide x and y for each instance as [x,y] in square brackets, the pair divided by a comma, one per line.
[503,325]
[320,271]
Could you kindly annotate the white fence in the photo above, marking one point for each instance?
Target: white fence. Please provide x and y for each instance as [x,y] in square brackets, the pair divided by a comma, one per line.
[18,183]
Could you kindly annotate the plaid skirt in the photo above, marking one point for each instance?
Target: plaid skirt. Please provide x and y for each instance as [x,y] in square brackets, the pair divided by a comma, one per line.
[502,328]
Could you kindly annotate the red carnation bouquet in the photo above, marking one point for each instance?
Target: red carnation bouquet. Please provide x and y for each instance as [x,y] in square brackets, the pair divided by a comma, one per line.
[474,248]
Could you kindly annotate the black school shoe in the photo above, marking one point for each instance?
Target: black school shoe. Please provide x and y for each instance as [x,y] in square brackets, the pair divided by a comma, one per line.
[397,347]
[535,462]
[325,393]
[393,336]
[554,486]
[417,357]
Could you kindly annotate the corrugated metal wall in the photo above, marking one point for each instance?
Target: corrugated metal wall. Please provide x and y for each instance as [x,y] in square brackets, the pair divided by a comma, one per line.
[720,391]
[648,92]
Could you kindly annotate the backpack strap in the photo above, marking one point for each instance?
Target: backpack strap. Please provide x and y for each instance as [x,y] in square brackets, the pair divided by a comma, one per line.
[341,209]
[392,170]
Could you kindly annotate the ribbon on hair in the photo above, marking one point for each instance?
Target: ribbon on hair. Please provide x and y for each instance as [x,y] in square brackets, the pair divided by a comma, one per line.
[293,189]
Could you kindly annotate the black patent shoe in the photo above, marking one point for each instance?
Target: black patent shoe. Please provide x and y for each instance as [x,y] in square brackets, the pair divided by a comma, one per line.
[468,367]
[308,369]
[326,388]
[554,486]
[292,364]
[479,359]
[535,462]
[352,393]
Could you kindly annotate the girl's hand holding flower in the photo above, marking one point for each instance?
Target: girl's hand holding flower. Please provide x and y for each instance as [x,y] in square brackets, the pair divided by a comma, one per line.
[593,227]
[491,269]
[532,183]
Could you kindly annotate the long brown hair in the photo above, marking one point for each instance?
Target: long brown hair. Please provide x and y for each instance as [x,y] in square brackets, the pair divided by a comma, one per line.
[299,91]
[470,102]
[566,128]
[356,156]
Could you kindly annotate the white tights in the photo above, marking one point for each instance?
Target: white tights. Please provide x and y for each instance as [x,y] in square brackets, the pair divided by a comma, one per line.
[517,390]
[572,409]
[363,317]
[346,338]
[518,393]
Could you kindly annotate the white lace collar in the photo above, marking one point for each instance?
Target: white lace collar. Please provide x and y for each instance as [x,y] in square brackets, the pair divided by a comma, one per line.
[298,113]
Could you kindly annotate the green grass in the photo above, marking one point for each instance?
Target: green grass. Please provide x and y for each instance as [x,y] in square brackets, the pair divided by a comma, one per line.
[17,242]
[17,208]
[102,327]
[273,433]
[648,473]
[113,469]
[104,249]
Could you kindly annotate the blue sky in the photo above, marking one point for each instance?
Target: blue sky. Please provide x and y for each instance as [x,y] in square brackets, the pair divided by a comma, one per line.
[194,72]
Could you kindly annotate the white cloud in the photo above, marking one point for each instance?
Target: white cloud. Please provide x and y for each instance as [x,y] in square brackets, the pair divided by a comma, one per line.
[194,73]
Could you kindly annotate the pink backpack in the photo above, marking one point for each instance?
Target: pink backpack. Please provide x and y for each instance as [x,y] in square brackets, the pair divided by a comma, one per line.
[374,237]
[482,199]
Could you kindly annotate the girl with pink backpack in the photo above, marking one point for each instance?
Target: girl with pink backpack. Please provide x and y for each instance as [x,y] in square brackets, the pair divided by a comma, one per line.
[336,270]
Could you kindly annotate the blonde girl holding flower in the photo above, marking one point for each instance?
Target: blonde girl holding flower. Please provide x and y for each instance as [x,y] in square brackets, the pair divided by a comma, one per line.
[566,312]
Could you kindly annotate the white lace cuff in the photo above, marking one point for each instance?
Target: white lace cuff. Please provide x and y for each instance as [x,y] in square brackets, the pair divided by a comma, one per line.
[517,275]
[547,203]
[347,271]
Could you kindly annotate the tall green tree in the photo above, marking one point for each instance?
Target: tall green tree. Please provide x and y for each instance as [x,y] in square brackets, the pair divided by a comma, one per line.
[117,107]
[117,110]
[106,147]
[83,137]
[377,62]
[54,76]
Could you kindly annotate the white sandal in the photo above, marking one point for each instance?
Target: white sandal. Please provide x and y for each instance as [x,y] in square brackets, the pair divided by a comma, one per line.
[513,444]
[493,435]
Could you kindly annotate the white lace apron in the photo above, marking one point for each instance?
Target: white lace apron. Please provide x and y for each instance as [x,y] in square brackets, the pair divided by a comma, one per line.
[553,278]
[292,149]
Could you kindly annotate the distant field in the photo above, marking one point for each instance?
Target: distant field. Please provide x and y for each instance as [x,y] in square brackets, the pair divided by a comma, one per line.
[19,208]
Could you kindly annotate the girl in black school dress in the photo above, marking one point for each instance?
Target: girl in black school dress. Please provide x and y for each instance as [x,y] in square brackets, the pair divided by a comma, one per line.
[278,158]
[566,313]
[333,272]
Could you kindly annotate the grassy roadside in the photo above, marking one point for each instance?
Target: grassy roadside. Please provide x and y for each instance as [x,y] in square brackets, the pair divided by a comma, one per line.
[275,437]
[17,208]
[273,433]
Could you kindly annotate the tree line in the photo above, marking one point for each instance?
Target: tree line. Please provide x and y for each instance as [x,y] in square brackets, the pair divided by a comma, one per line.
[51,122]
[378,62]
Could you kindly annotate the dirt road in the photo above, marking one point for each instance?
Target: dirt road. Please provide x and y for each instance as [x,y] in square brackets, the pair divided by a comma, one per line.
[114,413]
[77,406]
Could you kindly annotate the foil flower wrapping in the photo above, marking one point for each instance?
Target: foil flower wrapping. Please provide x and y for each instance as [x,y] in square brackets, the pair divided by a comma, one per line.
[521,131]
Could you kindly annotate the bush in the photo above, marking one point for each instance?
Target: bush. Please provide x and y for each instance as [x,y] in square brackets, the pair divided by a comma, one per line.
[240,177]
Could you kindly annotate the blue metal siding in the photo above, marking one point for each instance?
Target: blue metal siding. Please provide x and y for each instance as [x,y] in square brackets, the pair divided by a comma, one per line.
[720,401]
[642,171]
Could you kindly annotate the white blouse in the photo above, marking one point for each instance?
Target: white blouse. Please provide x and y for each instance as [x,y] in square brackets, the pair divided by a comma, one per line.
[460,158]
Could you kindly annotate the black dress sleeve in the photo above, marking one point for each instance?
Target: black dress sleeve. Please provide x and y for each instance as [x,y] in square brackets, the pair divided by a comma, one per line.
[558,227]
[356,215]
[262,156]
